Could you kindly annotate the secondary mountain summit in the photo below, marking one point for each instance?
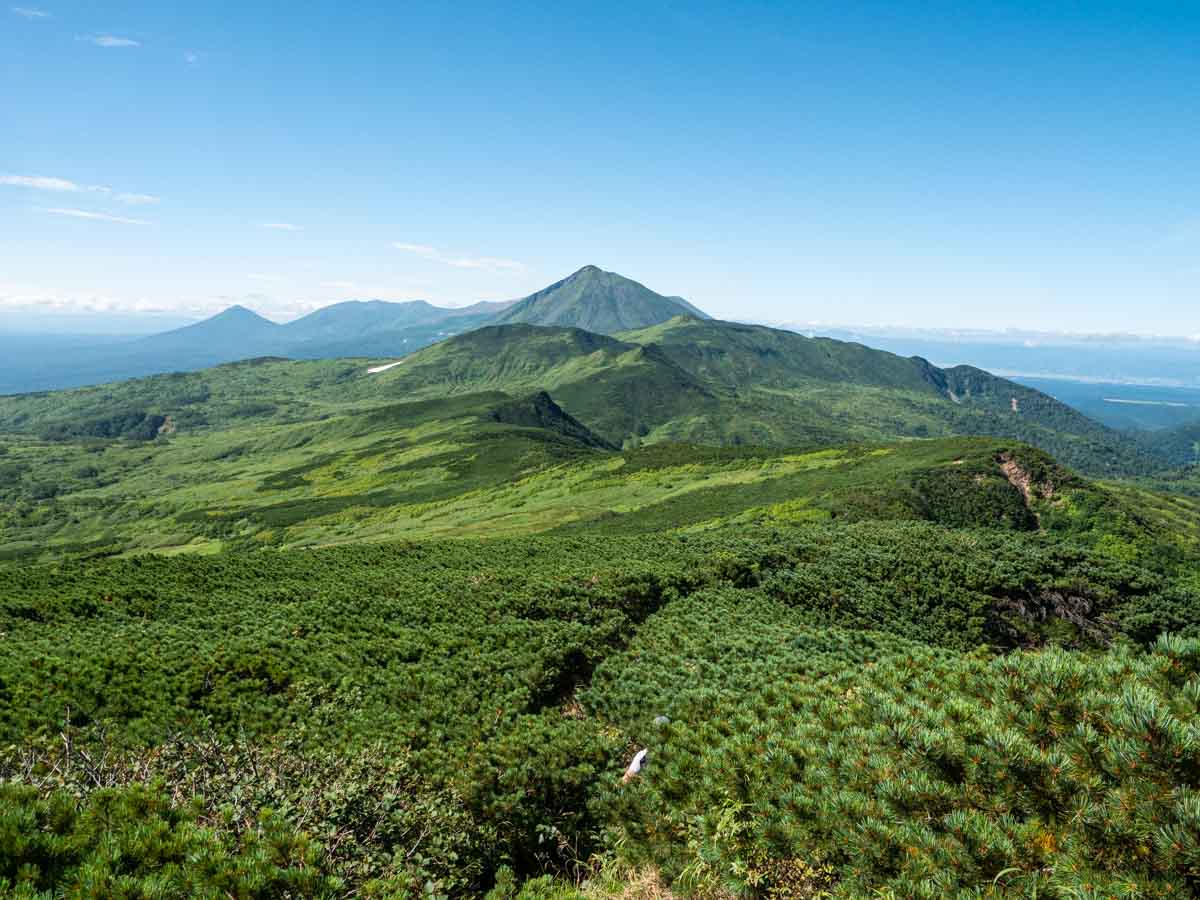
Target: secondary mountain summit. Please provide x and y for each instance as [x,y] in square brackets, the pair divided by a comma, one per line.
[597,301]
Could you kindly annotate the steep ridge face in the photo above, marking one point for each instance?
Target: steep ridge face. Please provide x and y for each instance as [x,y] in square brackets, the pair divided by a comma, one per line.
[540,411]
[598,301]
[966,384]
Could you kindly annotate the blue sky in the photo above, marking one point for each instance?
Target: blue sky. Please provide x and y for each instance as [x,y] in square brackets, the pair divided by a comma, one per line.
[960,164]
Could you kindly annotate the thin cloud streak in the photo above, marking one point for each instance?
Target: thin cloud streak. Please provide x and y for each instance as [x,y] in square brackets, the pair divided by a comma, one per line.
[110,40]
[62,185]
[281,226]
[99,217]
[40,182]
[419,249]
[491,263]
[30,12]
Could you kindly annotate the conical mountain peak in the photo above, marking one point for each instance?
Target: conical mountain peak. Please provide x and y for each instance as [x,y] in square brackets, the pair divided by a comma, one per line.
[237,311]
[596,300]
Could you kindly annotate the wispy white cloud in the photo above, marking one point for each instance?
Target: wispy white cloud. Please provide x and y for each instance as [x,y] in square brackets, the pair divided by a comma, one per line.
[31,12]
[461,262]
[110,40]
[62,185]
[40,182]
[419,249]
[100,217]
[281,226]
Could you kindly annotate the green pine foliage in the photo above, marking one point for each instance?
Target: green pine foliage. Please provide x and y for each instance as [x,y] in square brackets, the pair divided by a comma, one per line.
[920,773]
[489,693]
[135,842]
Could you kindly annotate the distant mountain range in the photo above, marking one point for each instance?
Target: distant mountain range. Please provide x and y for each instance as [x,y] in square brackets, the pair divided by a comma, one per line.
[593,299]
[600,302]
[686,379]
[357,329]
[354,328]
[629,364]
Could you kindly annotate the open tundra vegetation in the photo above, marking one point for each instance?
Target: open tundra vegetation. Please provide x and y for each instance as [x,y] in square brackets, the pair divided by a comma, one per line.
[350,628]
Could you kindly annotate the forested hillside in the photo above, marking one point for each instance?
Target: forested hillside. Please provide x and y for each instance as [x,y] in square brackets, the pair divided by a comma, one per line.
[1181,445]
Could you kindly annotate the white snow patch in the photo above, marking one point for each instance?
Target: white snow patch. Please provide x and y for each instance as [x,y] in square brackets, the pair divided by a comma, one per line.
[375,370]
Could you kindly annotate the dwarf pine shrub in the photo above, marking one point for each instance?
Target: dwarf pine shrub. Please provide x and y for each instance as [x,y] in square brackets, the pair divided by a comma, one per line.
[928,774]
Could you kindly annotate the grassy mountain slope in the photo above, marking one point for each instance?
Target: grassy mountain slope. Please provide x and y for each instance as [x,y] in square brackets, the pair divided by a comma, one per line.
[710,382]
[598,301]
[617,388]
[742,356]
[783,379]
[199,467]
[749,356]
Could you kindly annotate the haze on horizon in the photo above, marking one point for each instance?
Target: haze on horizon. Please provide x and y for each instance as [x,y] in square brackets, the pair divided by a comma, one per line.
[956,165]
